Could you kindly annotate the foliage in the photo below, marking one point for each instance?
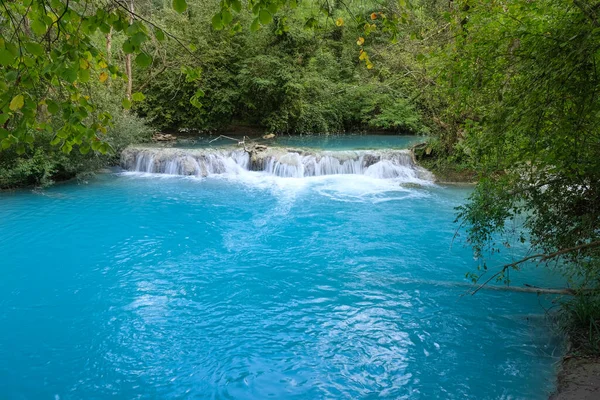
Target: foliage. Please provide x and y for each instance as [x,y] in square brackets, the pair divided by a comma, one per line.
[50,67]
[580,320]
[44,164]
[285,79]
[521,81]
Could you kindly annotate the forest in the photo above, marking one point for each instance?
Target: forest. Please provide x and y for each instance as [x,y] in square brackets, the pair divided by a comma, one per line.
[505,91]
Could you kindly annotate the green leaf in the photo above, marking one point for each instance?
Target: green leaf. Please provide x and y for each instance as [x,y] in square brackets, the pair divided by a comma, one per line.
[38,26]
[118,25]
[34,49]
[265,17]
[226,17]
[236,5]
[255,25]
[70,74]
[126,104]
[84,75]
[66,148]
[12,48]
[104,148]
[143,60]
[160,35]
[237,28]
[138,96]
[138,39]
[55,141]
[6,58]
[104,28]
[128,47]
[17,102]
[84,149]
[217,22]
[53,108]
[195,100]
[179,5]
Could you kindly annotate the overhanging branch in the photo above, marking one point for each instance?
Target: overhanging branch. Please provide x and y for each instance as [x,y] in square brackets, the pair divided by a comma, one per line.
[541,257]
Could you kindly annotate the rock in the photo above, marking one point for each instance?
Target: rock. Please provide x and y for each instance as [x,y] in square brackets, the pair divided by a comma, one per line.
[259,147]
[370,159]
[189,166]
[163,137]
[269,136]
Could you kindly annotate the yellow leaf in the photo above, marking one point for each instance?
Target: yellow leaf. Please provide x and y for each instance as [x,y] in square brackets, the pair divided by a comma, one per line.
[103,77]
[339,22]
[83,64]
[374,16]
[102,64]
[17,102]
[363,55]
[360,41]
[369,66]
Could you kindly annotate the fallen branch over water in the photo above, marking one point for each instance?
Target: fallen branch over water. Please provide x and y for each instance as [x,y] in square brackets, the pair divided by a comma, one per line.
[534,289]
[526,288]
[541,257]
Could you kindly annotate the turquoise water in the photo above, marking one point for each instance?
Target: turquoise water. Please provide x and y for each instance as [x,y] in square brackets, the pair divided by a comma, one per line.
[252,286]
[324,142]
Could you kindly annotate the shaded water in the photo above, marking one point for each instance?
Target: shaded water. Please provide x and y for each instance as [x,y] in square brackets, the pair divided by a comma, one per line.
[247,285]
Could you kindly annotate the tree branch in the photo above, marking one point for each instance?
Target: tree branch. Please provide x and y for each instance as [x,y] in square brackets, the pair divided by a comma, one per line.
[541,257]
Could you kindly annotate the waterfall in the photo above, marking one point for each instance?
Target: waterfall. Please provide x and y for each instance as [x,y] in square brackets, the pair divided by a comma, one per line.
[382,164]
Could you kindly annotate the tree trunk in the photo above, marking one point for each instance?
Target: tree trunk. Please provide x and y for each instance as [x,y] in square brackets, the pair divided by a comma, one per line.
[128,58]
[109,45]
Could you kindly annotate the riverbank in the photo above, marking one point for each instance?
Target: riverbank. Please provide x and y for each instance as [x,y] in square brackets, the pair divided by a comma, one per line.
[578,379]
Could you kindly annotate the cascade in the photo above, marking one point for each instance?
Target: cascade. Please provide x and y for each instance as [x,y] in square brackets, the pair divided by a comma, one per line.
[285,163]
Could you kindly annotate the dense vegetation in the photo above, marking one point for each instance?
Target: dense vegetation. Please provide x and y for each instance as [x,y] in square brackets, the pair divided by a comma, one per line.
[506,88]
[525,84]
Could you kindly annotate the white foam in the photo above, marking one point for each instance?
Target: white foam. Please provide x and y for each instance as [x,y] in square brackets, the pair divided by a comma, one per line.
[380,164]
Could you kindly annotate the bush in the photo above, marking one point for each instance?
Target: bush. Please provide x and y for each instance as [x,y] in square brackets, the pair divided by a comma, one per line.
[580,320]
[43,164]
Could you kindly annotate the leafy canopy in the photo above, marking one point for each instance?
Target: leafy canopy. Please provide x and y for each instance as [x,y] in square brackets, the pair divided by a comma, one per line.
[51,63]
